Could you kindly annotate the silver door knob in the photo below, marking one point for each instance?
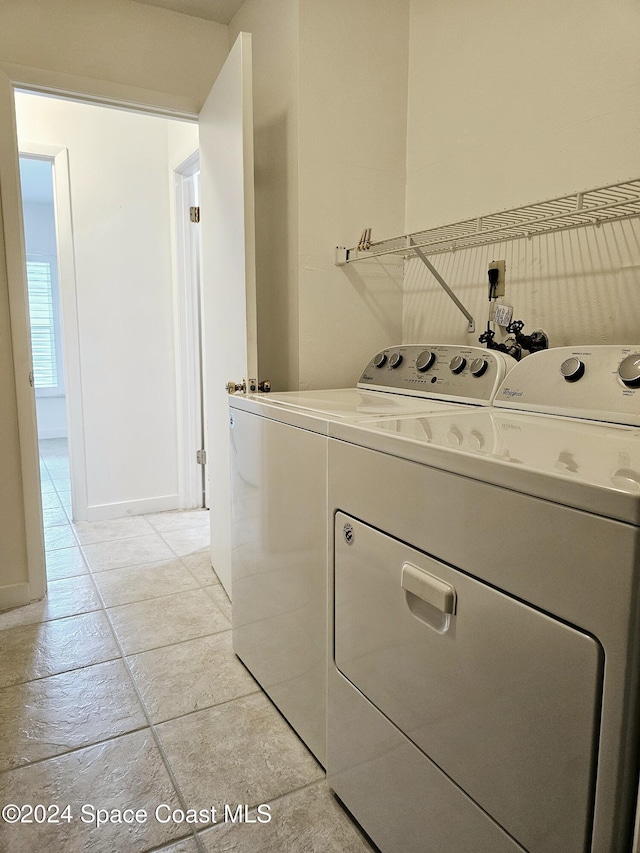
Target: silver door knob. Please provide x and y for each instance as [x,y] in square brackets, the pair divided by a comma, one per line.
[234,387]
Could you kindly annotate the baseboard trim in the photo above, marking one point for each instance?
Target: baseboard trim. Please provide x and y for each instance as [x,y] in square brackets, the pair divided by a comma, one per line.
[122,509]
[14,595]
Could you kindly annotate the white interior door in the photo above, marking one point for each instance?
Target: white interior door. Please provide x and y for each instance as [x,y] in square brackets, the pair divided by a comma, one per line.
[22,566]
[228,273]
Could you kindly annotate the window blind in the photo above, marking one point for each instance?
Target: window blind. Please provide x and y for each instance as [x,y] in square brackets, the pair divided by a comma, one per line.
[41,313]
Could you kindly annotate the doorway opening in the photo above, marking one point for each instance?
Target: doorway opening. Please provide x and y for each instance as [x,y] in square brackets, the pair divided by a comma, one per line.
[43,291]
[119,351]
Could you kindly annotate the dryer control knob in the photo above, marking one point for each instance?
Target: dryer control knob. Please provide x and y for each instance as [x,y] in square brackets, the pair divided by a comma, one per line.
[479,366]
[572,369]
[425,360]
[629,370]
[380,360]
[395,360]
[458,364]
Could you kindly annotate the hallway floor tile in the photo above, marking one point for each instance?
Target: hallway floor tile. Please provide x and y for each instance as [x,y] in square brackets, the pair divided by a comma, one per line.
[121,691]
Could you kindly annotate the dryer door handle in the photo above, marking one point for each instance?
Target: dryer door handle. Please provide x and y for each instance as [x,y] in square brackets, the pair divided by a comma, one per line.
[429,588]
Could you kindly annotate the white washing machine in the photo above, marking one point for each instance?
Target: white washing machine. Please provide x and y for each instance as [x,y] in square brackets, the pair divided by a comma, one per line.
[485,617]
[279,484]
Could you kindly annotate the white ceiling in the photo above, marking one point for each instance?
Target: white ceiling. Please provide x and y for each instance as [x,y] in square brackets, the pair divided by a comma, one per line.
[213,10]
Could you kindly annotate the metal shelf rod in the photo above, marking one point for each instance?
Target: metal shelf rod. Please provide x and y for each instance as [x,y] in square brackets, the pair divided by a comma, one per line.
[513,224]
[611,203]
[449,244]
[471,327]
[452,245]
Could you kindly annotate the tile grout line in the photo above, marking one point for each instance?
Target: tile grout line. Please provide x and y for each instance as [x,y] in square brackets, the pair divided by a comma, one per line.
[122,657]
[198,587]
[107,660]
[154,734]
[146,564]
[194,833]
[63,671]
[127,667]
[170,595]
[104,608]
[73,749]
[179,642]
[257,691]
[82,547]
[125,662]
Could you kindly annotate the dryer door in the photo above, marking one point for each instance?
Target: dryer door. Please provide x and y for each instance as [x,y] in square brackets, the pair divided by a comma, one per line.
[502,698]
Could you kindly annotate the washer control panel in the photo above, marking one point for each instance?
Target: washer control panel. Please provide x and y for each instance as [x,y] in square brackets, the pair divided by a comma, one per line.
[599,383]
[438,371]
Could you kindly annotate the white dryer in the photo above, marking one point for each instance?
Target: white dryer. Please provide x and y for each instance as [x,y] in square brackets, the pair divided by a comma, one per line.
[485,617]
[279,484]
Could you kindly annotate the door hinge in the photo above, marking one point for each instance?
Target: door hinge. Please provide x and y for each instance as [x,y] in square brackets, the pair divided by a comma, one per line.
[194,214]
[201,457]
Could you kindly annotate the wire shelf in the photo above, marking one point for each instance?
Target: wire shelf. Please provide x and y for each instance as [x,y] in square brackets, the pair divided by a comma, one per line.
[591,207]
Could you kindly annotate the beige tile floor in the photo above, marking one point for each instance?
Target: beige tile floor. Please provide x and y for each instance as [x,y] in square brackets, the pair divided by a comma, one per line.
[121,691]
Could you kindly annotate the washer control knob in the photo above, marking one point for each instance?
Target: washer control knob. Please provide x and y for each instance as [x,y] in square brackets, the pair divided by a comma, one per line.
[425,360]
[395,360]
[478,366]
[476,439]
[380,360]
[572,369]
[629,370]
[457,364]
[455,437]
[625,478]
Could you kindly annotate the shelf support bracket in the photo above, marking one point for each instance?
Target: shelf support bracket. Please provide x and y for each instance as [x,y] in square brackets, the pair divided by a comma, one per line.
[471,325]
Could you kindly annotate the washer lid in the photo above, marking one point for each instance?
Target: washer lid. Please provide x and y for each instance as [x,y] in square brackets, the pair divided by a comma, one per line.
[314,409]
[355,403]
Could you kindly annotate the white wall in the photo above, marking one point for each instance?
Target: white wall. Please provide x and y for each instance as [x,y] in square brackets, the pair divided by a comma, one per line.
[120,191]
[512,103]
[274,29]
[182,141]
[52,416]
[352,149]
[330,103]
[112,48]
